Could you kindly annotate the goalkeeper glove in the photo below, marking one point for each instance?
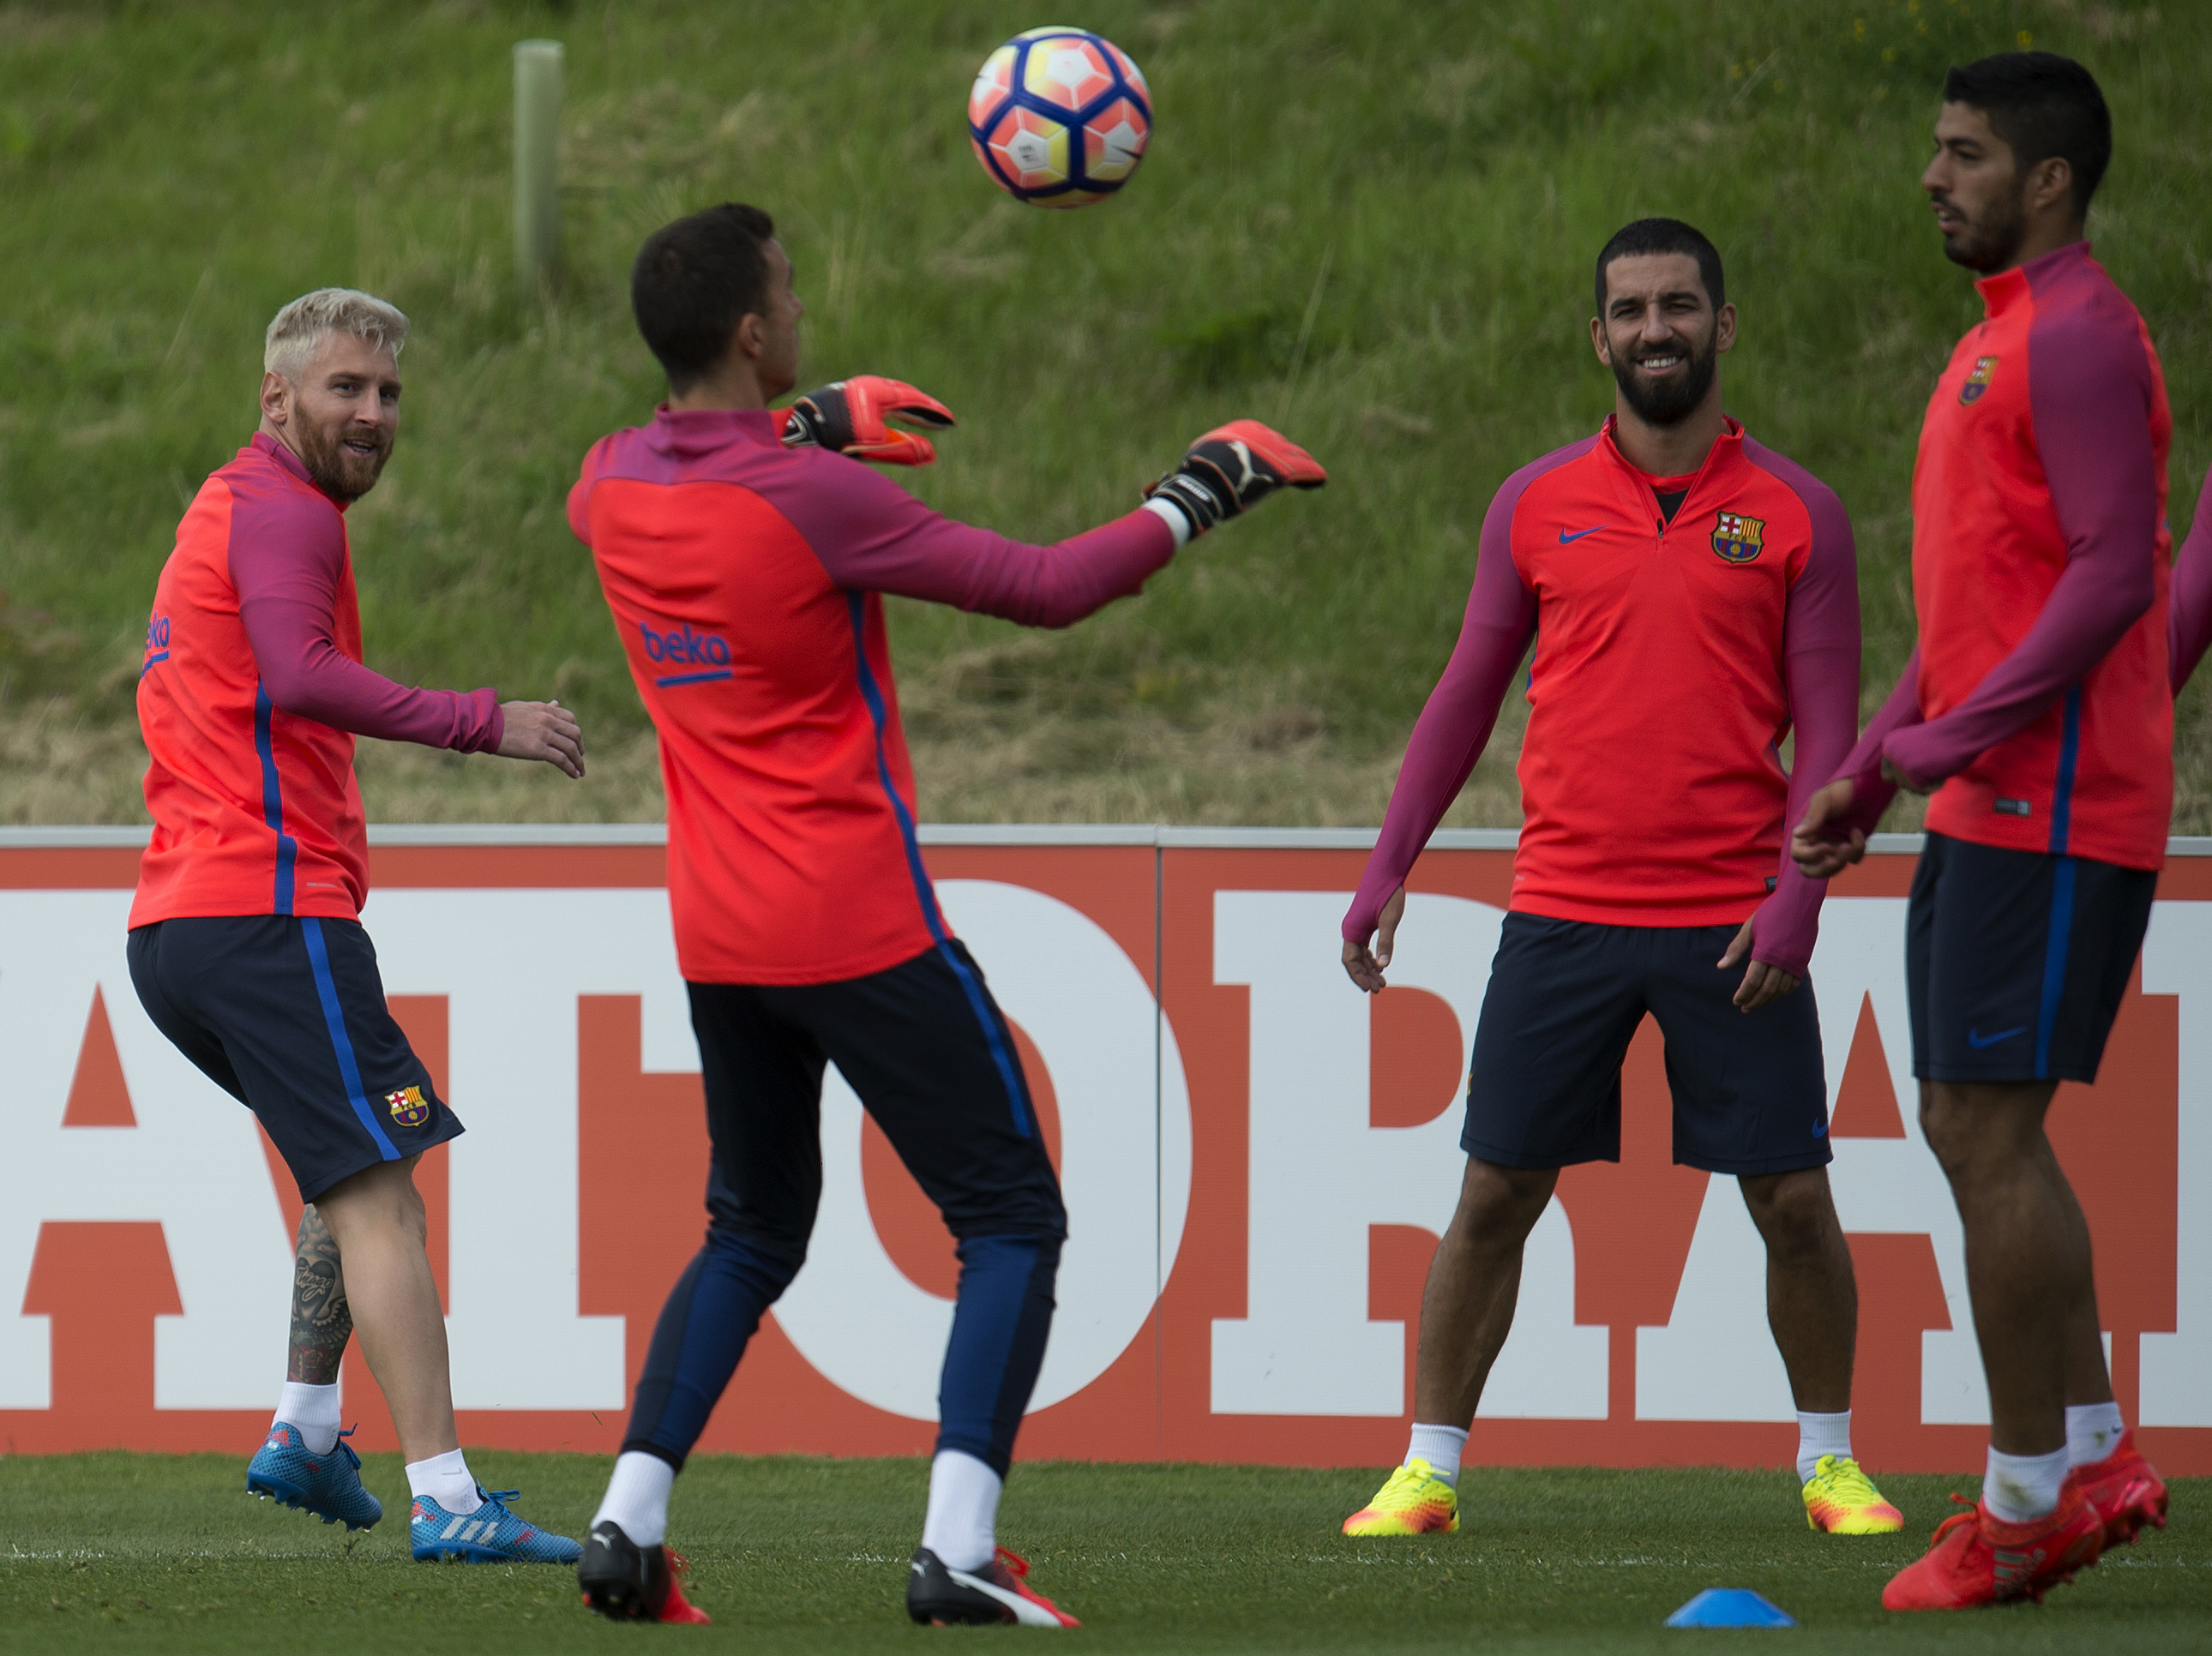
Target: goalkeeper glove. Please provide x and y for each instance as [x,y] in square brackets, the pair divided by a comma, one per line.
[850,416]
[1232,470]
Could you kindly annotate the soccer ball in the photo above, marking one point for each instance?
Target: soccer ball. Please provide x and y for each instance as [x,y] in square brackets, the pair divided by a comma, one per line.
[1060,118]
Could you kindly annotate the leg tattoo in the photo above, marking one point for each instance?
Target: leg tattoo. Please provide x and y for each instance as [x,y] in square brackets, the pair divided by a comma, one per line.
[322,1321]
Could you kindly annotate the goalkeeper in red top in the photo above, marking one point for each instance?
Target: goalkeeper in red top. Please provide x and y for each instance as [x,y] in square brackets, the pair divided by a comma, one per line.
[745,564]
[1692,596]
[247,947]
[2038,711]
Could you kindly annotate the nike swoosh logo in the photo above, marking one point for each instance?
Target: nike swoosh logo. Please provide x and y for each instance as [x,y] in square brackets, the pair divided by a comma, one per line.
[1565,538]
[1976,1040]
[1820,1132]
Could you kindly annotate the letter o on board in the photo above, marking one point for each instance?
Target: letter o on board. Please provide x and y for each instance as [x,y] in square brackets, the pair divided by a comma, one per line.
[874,1334]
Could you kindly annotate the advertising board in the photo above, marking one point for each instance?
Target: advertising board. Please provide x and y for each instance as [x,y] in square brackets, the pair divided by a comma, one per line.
[1256,1160]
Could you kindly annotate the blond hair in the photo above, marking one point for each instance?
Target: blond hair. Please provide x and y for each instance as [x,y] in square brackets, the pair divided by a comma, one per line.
[302,325]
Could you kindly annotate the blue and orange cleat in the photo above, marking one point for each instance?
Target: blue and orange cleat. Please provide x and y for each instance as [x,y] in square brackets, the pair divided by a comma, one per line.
[2125,1492]
[489,1535]
[1414,1502]
[328,1485]
[1842,1500]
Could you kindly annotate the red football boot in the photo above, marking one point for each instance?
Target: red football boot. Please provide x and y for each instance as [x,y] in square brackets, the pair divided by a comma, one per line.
[2124,1490]
[1977,1559]
[674,1606]
[938,1595]
[626,1582]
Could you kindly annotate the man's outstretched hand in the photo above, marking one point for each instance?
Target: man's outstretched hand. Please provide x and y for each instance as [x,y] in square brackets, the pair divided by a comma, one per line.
[1364,965]
[1232,470]
[852,416]
[541,730]
[1819,844]
[1762,984]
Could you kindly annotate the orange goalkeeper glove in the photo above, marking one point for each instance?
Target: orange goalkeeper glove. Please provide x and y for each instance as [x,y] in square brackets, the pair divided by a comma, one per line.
[851,416]
[1232,470]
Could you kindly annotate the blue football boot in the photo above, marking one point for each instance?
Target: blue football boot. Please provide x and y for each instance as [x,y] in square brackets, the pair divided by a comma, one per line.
[489,1535]
[327,1485]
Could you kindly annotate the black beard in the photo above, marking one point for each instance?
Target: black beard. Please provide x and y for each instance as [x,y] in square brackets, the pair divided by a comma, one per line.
[1990,244]
[336,470]
[1669,401]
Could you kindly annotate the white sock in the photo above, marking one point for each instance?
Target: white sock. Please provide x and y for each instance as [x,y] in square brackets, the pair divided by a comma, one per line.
[962,1525]
[1821,1434]
[447,1480]
[2020,1489]
[1441,1446]
[2093,1431]
[637,1497]
[314,1411]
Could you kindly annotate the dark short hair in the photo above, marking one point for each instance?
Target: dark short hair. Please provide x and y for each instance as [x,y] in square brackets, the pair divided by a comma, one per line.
[2041,105]
[1664,236]
[695,281]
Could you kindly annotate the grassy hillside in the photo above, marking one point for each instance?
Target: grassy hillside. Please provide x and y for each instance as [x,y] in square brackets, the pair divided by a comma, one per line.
[1371,222]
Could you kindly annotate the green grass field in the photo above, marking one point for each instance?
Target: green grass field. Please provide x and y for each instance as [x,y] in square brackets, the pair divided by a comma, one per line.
[1370,222]
[168,1553]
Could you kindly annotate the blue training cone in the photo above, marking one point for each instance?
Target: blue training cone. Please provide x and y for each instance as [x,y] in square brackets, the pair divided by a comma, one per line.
[1730,1607]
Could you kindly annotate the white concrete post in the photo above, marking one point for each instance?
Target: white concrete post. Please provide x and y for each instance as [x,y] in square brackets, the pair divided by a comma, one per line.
[537,161]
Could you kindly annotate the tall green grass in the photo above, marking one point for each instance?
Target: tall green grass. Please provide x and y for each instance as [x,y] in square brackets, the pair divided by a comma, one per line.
[1370,222]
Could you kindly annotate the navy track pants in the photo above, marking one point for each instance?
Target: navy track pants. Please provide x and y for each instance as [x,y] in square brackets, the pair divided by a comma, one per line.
[931,1057]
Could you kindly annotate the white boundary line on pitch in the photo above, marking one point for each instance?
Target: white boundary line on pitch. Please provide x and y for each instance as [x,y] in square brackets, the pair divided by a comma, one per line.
[931,833]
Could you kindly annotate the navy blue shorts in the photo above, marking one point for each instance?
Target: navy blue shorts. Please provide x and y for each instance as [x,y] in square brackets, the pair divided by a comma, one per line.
[287,1016]
[1565,1000]
[2015,962]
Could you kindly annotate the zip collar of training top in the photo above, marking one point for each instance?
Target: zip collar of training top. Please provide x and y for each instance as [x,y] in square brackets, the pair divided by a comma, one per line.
[2006,288]
[1725,449]
[688,433]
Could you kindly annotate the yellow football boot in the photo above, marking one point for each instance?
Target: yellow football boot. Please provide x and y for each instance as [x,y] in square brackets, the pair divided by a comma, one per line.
[1415,1502]
[1842,1500]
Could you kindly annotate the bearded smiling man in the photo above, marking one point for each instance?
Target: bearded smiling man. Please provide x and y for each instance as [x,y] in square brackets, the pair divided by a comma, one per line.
[1691,595]
[246,944]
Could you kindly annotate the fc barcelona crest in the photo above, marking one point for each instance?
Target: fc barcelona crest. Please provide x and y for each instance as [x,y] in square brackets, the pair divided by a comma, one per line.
[1978,380]
[1737,539]
[409,1108]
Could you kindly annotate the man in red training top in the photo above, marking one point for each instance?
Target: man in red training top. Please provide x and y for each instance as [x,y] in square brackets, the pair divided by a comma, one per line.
[1692,596]
[245,943]
[2189,625]
[744,575]
[2038,709]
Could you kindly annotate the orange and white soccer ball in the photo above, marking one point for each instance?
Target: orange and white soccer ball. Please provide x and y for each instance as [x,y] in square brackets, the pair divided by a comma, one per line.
[1059,116]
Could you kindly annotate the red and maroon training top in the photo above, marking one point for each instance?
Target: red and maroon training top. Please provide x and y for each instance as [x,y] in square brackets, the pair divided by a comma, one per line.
[2189,624]
[745,581]
[2039,702]
[250,695]
[1672,655]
